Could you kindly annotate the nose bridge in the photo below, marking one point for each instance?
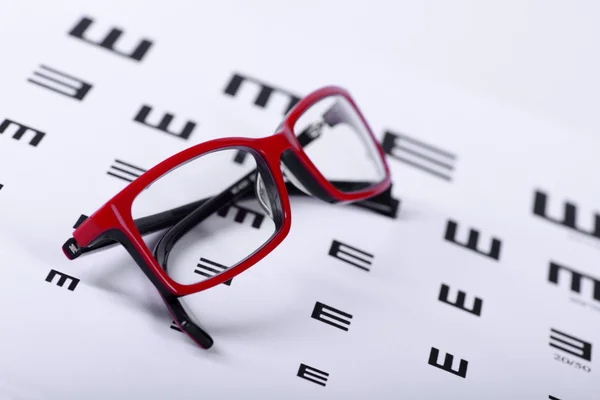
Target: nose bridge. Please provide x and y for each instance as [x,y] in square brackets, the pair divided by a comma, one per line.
[272,146]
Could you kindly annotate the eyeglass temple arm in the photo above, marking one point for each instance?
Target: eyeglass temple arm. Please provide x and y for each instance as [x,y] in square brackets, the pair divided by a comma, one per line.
[383,204]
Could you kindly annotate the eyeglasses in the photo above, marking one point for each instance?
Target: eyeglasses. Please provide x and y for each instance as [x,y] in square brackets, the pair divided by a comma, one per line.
[176,212]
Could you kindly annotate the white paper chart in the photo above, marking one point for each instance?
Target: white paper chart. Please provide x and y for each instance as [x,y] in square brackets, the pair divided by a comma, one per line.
[485,285]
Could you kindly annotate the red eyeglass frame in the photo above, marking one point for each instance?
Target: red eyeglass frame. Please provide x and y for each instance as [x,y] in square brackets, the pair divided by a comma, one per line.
[113,223]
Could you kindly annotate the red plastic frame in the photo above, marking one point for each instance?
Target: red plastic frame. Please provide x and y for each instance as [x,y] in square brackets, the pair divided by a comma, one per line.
[116,213]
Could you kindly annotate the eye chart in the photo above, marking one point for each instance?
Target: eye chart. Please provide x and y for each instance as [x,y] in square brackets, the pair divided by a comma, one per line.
[486,284]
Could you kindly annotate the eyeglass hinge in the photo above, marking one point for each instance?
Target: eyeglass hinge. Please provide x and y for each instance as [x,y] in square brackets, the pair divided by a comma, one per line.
[71,249]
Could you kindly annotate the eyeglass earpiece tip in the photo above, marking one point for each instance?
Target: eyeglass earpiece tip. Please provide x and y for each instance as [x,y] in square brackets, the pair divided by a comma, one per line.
[199,336]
